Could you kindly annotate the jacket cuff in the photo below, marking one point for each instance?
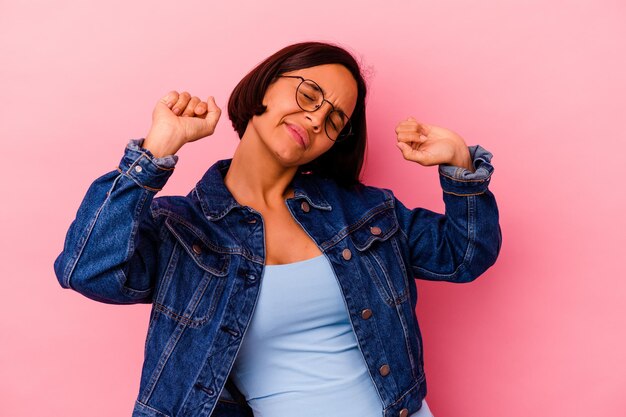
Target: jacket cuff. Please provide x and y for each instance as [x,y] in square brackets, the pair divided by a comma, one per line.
[142,167]
[460,181]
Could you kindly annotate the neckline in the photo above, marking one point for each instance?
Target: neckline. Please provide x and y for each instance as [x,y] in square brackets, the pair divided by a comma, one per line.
[275,266]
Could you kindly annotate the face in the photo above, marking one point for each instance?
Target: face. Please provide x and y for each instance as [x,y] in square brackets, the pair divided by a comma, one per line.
[295,136]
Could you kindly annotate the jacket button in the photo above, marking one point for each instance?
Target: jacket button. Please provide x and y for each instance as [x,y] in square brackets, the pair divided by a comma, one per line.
[197,249]
[305,207]
[375,230]
[252,221]
[404,412]
[208,390]
[347,254]
[366,314]
[138,168]
[384,370]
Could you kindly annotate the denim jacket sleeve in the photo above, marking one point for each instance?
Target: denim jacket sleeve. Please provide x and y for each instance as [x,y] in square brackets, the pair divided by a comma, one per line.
[110,250]
[462,244]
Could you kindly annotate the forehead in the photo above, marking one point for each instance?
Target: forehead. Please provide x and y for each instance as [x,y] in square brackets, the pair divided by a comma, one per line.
[336,81]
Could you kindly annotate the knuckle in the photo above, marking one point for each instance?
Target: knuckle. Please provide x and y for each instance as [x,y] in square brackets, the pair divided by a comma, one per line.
[172,96]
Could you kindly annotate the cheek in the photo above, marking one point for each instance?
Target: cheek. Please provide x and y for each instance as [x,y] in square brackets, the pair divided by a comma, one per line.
[276,111]
[321,146]
[268,119]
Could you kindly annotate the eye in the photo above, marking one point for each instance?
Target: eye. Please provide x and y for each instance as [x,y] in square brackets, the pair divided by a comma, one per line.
[306,96]
[336,121]
[309,92]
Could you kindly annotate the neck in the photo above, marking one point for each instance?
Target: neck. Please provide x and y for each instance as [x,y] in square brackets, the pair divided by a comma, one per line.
[256,178]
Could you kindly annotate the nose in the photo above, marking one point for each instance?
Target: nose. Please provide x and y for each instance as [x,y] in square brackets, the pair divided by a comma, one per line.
[316,121]
[318,117]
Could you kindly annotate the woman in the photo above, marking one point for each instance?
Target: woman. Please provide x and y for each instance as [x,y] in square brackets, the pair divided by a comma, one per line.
[283,245]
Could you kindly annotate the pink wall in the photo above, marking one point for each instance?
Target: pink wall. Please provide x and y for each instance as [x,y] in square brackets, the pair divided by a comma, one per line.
[540,84]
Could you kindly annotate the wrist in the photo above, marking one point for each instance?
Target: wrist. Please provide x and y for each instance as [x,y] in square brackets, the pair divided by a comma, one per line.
[463,159]
[159,147]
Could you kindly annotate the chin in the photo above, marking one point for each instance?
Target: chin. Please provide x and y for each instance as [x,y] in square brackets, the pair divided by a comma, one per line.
[288,158]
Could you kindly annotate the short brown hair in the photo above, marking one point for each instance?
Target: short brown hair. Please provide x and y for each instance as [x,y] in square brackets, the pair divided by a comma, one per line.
[344,160]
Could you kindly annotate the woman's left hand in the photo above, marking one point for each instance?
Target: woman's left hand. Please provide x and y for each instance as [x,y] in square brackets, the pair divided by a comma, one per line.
[432,145]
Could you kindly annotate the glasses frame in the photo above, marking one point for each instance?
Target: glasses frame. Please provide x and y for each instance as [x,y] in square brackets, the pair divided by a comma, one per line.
[341,136]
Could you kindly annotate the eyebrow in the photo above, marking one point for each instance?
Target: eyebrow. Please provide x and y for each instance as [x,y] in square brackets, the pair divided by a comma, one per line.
[334,107]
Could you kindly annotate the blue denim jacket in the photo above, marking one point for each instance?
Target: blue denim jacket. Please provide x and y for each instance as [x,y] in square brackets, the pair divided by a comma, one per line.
[198,260]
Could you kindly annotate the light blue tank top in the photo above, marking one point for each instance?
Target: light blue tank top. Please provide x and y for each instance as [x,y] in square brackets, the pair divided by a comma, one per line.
[300,355]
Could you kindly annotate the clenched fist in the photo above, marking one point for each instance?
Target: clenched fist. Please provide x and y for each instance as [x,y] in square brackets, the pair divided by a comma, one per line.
[178,119]
[432,145]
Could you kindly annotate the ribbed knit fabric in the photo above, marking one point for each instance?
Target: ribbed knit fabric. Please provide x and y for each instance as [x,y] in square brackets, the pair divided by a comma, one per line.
[300,355]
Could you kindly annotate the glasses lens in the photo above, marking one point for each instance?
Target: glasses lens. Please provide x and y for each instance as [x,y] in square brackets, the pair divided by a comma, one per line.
[309,96]
[337,125]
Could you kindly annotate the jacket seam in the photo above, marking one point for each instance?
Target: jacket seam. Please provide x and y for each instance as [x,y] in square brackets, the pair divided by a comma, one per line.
[137,181]
[346,231]
[463,195]
[150,159]
[69,270]
[197,233]
[160,413]
[408,391]
[462,180]
[469,250]
[120,275]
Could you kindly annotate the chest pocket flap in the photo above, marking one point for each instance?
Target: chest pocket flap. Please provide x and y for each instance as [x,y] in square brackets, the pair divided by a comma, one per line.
[374,227]
[205,254]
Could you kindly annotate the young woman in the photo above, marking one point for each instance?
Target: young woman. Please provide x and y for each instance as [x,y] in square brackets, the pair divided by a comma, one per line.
[281,285]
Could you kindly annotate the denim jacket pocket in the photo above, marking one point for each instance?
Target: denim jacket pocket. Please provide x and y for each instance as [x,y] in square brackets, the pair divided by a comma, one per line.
[195,276]
[373,228]
[374,236]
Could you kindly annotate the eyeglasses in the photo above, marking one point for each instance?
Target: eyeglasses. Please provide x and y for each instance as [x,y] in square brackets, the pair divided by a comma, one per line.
[310,98]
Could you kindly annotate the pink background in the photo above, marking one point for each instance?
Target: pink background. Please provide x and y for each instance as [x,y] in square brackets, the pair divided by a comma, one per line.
[540,84]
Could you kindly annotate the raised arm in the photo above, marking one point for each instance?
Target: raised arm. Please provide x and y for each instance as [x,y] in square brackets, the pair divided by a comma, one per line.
[111,250]
[111,246]
[461,244]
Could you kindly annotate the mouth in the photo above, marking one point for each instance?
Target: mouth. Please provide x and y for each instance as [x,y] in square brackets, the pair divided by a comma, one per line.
[298,134]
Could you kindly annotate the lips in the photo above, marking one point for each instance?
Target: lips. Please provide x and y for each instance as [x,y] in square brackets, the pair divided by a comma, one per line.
[299,133]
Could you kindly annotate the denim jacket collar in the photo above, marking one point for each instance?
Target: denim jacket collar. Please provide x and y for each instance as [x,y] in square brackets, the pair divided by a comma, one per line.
[217,201]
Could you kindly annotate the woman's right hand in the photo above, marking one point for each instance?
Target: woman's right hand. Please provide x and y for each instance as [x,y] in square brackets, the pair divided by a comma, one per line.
[178,119]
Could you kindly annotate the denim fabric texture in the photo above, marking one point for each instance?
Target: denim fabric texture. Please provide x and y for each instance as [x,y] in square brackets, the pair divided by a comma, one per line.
[198,260]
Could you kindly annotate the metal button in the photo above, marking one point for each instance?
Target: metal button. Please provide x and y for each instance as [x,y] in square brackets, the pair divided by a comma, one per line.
[251,277]
[232,332]
[197,249]
[138,168]
[375,230]
[384,370]
[347,254]
[252,221]
[404,412]
[305,207]
[208,390]
[366,314]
